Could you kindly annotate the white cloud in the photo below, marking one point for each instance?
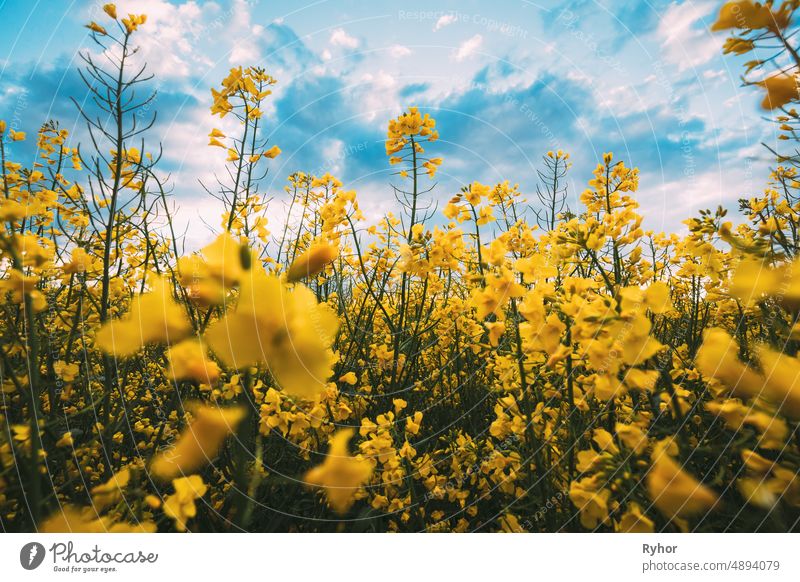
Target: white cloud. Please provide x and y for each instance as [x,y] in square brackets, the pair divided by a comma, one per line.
[333,155]
[468,47]
[443,21]
[340,38]
[377,92]
[398,51]
[734,100]
[384,80]
[166,40]
[243,54]
[180,39]
[684,44]
[666,203]
[199,218]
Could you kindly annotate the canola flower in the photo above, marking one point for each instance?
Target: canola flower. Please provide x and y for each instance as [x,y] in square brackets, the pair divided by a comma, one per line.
[500,367]
[340,474]
[200,442]
[181,505]
[284,329]
[153,317]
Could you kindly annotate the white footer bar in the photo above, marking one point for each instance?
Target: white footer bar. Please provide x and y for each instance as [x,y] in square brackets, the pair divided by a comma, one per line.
[406,558]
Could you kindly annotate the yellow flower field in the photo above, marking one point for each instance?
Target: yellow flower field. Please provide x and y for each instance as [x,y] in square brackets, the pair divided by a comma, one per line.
[464,364]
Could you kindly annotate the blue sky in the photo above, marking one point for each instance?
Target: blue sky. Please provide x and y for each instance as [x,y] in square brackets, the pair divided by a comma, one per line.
[506,81]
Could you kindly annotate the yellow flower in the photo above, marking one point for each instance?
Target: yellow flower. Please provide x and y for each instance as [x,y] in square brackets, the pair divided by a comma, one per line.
[94,27]
[272,152]
[12,211]
[312,261]
[189,361]
[199,443]
[349,378]
[485,215]
[591,500]
[781,89]
[718,358]
[634,521]
[110,492]
[341,475]
[641,379]
[748,15]
[152,501]
[22,434]
[656,297]
[499,290]
[781,381]
[753,280]
[218,267]
[413,423]
[73,520]
[81,262]
[65,440]
[111,10]
[285,329]
[496,330]
[535,268]
[154,317]
[542,334]
[67,372]
[736,415]
[632,437]
[432,166]
[673,491]
[16,135]
[757,491]
[737,46]
[180,506]
[133,21]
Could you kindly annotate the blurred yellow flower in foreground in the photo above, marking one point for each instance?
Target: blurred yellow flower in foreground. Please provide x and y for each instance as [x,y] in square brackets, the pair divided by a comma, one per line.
[286,329]
[635,521]
[189,360]
[781,89]
[110,492]
[180,505]
[153,317]
[673,491]
[199,443]
[748,15]
[718,358]
[341,475]
[312,262]
[74,520]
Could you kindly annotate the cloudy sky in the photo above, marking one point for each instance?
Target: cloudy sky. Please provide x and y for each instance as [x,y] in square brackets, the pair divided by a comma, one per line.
[506,80]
